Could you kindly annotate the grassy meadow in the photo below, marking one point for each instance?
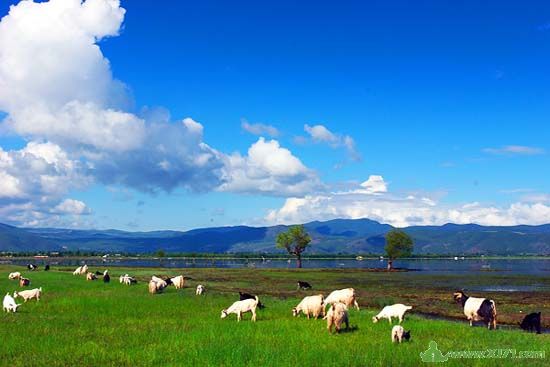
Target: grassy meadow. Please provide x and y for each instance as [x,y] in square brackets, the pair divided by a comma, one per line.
[95,324]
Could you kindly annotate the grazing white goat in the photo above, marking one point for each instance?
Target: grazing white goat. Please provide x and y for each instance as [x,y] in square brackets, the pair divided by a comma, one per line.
[336,316]
[311,306]
[15,275]
[30,294]
[346,296]
[240,307]
[178,281]
[126,279]
[91,276]
[477,309]
[9,304]
[161,282]
[157,285]
[200,290]
[398,310]
[398,334]
[81,270]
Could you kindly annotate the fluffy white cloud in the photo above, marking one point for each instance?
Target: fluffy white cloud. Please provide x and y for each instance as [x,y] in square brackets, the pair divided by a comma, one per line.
[374,185]
[268,169]
[48,53]
[33,180]
[80,125]
[71,206]
[259,129]
[402,210]
[56,84]
[320,134]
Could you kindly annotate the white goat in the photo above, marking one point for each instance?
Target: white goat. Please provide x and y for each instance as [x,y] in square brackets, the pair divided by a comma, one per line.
[398,334]
[161,282]
[81,270]
[346,296]
[398,310]
[240,307]
[200,290]
[157,285]
[9,304]
[336,316]
[30,294]
[15,275]
[178,281]
[311,305]
[91,276]
[126,279]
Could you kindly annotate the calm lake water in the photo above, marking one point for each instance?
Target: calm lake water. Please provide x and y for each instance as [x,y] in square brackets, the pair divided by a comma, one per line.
[540,267]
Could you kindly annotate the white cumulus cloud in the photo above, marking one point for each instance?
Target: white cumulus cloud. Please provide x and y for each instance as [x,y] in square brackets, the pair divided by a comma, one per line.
[321,134]
[402,210]
[71,206]
[268,169]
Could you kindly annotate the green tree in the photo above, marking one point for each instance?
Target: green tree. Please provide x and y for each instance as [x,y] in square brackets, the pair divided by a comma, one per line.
[398,244]
[294,241]
[160,253]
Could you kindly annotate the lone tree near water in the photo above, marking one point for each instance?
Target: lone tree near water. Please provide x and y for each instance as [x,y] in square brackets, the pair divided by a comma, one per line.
[398,244]
[295,241]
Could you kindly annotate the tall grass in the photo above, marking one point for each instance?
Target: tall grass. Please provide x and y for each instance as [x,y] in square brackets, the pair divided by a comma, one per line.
[95,324]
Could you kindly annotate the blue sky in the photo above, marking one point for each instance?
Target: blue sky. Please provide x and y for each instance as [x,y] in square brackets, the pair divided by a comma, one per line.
[448,102]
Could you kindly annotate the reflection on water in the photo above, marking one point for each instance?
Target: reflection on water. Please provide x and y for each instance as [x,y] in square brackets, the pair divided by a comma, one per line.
[433,266]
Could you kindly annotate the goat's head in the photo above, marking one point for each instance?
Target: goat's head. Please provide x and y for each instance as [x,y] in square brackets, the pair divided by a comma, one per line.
[458,296]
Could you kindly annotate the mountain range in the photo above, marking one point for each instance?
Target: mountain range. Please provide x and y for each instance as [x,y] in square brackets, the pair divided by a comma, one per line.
[338,236]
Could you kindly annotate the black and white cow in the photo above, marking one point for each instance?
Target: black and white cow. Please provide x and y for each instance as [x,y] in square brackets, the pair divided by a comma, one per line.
[303,285]
[531,322]
[478,309]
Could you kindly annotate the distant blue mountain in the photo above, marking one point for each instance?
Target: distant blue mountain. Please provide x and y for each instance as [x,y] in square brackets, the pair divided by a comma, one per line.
[338,236]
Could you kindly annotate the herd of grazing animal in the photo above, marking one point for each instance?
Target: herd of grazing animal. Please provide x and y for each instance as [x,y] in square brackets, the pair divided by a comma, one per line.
[315,306]
[9,304]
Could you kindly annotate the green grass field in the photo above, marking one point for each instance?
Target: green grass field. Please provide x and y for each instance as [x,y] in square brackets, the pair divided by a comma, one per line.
[94,324]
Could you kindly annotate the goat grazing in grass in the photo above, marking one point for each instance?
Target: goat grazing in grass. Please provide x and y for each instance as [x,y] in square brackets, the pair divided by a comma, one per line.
[240,307]
[200,290]
[336,316]
[311,306]
[398,310]
[24,282]
[106,277]
[9,304]
[345,296]
[477,309]
[531,322]
[30,294]
[398,334]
